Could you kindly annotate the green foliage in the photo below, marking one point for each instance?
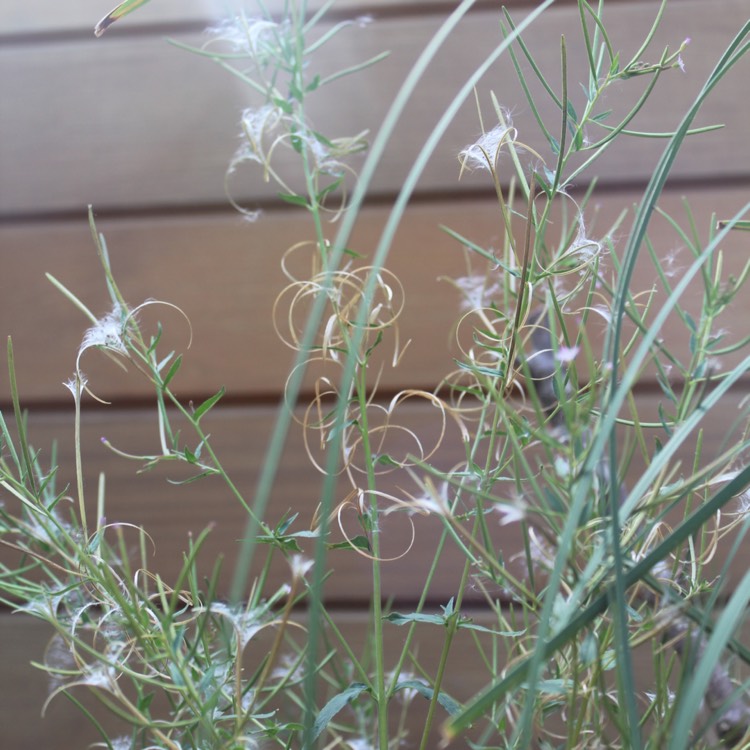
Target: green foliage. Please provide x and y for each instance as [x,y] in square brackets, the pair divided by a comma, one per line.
[604,569]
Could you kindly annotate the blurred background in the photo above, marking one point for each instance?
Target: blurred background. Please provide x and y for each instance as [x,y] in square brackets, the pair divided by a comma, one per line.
[144,131]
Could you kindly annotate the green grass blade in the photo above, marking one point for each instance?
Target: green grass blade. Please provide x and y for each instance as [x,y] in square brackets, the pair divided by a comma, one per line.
[121,10]
[383,247]
[690,698]
[532,62]
[281,427]
[27,476]
[482,703]
[649,37]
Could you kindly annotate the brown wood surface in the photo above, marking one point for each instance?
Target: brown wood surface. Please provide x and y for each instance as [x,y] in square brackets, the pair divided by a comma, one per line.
[172,514]
[24,689]
[80,127]
[145,131]
[225,275]
[39,16]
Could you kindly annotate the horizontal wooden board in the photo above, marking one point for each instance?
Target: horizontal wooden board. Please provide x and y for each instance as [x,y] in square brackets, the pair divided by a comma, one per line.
[172,515]
[39,17]
[24,689]
[240,437]
[225,275]
[81,127]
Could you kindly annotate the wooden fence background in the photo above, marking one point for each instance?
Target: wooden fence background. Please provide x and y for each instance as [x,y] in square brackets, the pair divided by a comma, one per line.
[144,132]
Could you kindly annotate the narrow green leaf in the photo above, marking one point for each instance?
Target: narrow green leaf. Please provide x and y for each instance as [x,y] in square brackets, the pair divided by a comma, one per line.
[324,38]
[283,105]
[93,546]
[335,705]
[294,200]
[208,404]
[386,460]
[487,255]
[328,189]
[450,705]
[572,113]
[284,524]
[314,19]
[194,478]
[295,92]
[172,371]
[741,225]
[70,296]
[469,625]
[312,85]
[121,10]
[691,697]
[287,544]
[358,542]
[354,68]
[614,68]
[543,183]
[161,364]
[144,701]
[601,116]
[399,619]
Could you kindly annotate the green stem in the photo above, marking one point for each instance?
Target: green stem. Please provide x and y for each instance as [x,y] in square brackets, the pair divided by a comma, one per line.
[451,629]
[27,474]
[79,460]
[374,527]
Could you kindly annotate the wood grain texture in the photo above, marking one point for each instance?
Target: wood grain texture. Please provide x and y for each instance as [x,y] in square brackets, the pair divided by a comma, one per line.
[24,689]
[39,17]
[173,514]
[225,274]
[145,131]
[81,128]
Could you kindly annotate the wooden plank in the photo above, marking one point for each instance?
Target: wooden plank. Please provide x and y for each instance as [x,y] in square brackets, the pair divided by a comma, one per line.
[39,17]
[173,514]
[82,128]
[240,437]
[24,689]
[225,275]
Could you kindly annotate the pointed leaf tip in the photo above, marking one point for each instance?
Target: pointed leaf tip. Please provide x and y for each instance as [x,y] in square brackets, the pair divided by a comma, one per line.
[121,10]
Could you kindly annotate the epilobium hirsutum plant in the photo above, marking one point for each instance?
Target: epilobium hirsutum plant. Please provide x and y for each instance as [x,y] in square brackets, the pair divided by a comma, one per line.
[547,428]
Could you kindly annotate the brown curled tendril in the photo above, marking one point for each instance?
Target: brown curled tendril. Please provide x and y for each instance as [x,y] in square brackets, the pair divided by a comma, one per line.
[380,434]
[345,290]
[355,502]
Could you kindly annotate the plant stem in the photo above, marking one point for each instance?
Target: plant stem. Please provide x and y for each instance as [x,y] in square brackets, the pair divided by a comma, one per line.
[374,525]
